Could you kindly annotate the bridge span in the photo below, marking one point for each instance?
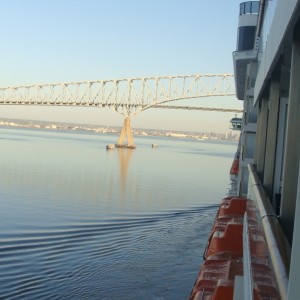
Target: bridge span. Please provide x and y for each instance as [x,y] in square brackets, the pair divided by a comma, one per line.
[127,96]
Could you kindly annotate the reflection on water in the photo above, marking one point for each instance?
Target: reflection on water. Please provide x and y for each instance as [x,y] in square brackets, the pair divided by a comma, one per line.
[124,156]
[80,222]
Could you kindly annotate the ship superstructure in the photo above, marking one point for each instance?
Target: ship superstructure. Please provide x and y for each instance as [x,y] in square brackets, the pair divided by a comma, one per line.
[267,78]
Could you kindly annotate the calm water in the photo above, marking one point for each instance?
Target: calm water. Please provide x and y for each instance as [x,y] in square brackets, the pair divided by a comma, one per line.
[80,222]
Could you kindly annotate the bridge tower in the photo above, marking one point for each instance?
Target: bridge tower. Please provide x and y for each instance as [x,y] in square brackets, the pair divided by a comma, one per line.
[126,134]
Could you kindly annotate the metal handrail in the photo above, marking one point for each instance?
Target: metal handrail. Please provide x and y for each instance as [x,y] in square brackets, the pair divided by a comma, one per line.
[279,249]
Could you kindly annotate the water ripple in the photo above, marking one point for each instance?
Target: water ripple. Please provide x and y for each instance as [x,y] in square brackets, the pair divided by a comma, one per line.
[31,259]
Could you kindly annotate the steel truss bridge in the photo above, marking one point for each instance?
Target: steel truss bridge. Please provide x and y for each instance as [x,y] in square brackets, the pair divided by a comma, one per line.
[126,96]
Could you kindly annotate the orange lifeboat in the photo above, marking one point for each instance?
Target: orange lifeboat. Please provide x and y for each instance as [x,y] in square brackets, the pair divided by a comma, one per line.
[214,290]
[227,231]
[225,238]
[234,170]
[234,167]
[224,255]
[216,278]
[236,206]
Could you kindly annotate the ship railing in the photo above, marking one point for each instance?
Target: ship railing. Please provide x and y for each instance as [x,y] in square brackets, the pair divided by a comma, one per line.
[278,247]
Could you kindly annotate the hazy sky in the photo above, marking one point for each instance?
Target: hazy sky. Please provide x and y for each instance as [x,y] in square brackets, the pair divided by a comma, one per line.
[75,40]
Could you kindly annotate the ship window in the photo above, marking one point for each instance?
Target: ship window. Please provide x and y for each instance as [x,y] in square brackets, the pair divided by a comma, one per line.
[249,145]
[246,37]
[252,117]
[250,7]
[245,177]
[255,7]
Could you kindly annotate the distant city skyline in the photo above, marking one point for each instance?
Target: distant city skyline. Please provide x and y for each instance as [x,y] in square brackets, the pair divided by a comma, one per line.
[33,124]
[62,41]
[180,120]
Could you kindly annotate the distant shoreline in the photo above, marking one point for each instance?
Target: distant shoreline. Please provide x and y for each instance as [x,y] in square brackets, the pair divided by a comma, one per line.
[32,124]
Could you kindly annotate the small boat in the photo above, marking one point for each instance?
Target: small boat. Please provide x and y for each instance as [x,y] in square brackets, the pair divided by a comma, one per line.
[126,146]
[154,145]
[234,170]
[227,259]
[110,146]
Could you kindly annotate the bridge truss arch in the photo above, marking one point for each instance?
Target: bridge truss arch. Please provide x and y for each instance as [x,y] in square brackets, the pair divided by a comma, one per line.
[127,96]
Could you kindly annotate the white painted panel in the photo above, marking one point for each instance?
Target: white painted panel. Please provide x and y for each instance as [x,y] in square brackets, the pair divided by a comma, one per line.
[282,16]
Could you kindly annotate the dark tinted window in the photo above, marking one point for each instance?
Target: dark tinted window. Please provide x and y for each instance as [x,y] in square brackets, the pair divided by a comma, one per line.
[246,38]
[250,7]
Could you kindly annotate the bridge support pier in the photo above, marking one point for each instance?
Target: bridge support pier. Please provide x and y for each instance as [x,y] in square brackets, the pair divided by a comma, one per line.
[126,133]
